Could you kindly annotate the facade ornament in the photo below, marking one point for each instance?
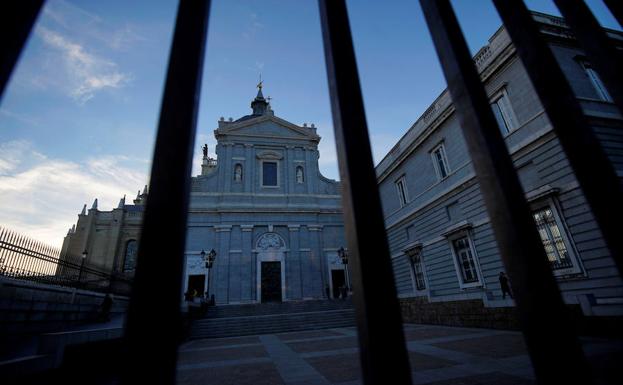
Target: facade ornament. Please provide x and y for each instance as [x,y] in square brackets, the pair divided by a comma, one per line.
[238,173]
[94,207]
[270,241]
[121,202]
[299,174]
[84,210]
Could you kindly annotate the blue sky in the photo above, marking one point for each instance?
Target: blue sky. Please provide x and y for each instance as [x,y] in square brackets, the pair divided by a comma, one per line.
[78,119]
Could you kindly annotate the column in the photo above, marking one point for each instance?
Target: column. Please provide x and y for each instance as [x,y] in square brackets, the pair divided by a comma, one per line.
[227,167]
[310,169]
[247,280]
[289,164]
[235,257]
[249,168]
[221,283]
[293,265]
[315,264]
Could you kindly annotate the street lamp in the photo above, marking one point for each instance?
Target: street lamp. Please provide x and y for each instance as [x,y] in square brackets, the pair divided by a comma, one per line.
[343,254]
[209,260]
[84,258]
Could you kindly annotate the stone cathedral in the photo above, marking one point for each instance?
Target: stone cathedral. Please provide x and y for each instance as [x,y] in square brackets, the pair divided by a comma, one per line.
[262,205]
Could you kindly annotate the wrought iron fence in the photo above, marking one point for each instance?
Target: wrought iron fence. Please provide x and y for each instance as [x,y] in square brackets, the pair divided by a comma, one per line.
[27,259]
[382,345]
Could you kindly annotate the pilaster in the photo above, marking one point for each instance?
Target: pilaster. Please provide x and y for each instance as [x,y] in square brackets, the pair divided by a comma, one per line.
[293,264]
[223,233]
[315,260]
[247,260]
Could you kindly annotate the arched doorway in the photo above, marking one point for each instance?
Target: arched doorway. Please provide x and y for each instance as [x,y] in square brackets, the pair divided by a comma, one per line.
[270,250]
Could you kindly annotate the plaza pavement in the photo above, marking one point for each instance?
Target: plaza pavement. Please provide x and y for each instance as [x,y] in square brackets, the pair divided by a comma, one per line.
[439,355]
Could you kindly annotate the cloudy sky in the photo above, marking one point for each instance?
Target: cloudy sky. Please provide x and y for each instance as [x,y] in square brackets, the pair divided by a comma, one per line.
[78,119]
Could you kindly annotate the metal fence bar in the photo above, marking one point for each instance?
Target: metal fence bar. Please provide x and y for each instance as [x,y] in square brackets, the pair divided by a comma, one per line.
[599,48]
[616,8]
[536,292]
[24,258]
[154,309]
[382,346]
[16,21]
[593,169]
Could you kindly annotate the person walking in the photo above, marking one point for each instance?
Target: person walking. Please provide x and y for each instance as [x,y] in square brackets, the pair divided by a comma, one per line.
[105,308]
[506,289]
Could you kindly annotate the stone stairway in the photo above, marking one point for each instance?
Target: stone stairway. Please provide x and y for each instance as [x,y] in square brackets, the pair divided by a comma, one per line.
[270,318]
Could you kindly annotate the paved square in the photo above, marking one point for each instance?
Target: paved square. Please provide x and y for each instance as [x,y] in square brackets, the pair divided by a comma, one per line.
[439,355]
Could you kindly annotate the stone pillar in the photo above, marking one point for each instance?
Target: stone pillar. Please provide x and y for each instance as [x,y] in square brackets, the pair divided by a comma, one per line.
[253,173]
[249,168]
[227,167]
[221,284]
[315,260]
[293,264]
[310,173]
[247,262]
[115,249]
[289,164]
[235,257]
[305,258]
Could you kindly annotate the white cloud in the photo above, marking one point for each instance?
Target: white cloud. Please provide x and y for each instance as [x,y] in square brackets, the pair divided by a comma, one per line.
[81,22]
[42,196]
[87,73]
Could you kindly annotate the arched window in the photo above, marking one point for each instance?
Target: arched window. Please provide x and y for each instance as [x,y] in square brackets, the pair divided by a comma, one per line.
[300,178]
[238,172]
[129,262]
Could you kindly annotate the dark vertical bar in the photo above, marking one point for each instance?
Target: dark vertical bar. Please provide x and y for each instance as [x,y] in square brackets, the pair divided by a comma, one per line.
[616,8]
[539,303]
[600,49]
[153,322]
[16,21]
[382,346]
[593,169]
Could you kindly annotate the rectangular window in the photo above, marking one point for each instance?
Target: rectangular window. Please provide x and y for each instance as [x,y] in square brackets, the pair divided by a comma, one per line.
[269,174]
[552,238]
[465,260]
[599,86]
[503,113]
[440,162]
[401,186]
[415,257]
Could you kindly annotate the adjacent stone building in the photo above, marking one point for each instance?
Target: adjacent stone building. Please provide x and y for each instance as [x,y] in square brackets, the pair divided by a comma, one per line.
[263,206]
[445,258]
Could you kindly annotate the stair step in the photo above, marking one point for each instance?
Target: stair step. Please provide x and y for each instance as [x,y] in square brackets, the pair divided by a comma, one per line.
[255,319]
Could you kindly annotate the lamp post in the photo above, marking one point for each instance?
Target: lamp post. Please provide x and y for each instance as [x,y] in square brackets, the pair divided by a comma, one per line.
[209,260]
[84,258]
[343,254]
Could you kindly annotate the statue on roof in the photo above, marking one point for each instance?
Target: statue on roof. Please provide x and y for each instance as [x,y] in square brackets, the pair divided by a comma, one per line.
[205,150]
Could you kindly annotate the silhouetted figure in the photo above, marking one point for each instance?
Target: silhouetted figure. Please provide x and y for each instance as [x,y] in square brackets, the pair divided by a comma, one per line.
[327,291]
[344,291]
[188,297]
[506,289]
[105,309]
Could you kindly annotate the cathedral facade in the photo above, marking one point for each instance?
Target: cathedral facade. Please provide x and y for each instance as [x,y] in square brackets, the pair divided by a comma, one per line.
[274,222]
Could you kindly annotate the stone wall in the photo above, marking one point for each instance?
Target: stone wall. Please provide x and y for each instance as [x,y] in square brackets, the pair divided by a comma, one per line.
[473,313]
[469,313]
[29,307]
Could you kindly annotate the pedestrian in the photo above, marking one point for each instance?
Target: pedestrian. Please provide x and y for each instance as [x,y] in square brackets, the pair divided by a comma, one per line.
[344,291]
[105,308]
[506,289]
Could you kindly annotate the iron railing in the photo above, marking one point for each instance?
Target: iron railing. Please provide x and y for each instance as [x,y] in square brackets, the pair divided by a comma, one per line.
[27,259]
[383,353]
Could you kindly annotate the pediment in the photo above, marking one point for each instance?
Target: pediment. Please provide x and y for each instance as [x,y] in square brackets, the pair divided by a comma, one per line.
[267,126]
